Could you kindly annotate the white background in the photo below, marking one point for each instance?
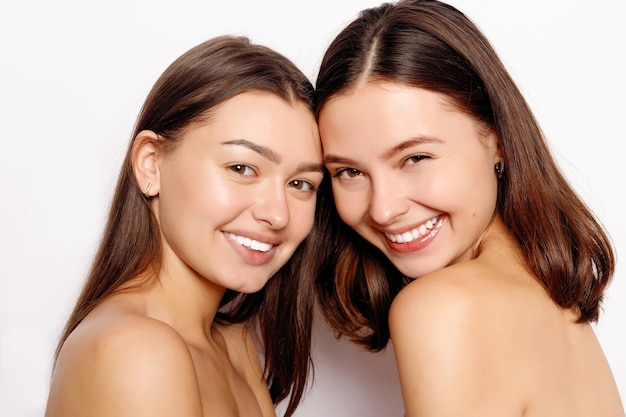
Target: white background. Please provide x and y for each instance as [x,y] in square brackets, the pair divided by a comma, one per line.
[73,75]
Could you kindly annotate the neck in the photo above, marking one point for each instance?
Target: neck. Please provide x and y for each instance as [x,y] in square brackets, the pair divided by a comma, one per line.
[185,300]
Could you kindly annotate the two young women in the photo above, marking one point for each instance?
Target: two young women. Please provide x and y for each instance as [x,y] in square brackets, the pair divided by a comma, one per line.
[452,231]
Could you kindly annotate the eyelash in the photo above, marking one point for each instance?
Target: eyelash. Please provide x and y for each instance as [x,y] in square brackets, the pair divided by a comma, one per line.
[297,184]
[415,159]
[238,167]
[353,172]
[346,171]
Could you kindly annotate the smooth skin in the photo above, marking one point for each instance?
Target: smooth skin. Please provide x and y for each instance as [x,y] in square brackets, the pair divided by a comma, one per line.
[233,201]
[474,334]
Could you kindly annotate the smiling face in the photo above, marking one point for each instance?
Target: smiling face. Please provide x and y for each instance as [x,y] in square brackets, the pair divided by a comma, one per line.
[410,173]
[237,196]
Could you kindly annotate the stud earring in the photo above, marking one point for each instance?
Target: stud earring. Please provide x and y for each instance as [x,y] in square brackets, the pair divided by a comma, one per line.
[500,168]
[147,190]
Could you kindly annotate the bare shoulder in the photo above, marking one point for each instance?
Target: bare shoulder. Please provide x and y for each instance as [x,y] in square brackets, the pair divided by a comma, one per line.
[484,338]
[122,364]
[467,294]
[437,298]
[447,331]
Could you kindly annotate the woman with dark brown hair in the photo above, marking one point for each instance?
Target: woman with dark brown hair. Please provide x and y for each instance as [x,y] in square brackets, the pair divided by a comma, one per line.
[217,191]
[455,233]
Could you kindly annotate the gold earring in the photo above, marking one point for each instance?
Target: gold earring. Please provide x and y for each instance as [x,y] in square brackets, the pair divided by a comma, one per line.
[145,193]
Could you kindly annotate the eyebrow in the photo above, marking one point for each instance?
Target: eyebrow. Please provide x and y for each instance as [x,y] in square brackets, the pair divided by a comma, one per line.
[408,143]
[335,159]
[330,158]
[311,167]
[261,150]
[273,156]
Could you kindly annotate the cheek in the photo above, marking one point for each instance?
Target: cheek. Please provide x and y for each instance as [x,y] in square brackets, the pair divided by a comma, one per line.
[470,191]
[200,196]
[220,193]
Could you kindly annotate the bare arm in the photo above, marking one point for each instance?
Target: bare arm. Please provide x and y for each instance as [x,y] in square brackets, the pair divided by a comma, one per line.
[449,353]
[137,368]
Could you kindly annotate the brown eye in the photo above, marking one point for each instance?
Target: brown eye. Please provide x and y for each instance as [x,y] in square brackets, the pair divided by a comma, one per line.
[302,185]
[348,172]
[242,169]
[415,159]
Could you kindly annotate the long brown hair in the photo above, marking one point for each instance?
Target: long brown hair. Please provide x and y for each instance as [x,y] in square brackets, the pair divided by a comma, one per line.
[185,93]
[431,45]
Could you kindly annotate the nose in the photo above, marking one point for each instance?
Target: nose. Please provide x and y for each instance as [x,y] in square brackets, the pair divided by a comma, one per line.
[272,207]
[388,201]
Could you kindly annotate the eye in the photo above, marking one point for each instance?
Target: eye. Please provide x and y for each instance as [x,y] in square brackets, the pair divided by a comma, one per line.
[302,185]
[415,159]
[243,170]
[347,173]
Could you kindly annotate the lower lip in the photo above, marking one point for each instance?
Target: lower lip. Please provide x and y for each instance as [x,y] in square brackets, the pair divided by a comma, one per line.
[417,244]
[251,256]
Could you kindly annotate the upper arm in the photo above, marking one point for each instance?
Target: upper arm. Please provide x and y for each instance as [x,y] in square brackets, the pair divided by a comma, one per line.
[137,369]
[448,361]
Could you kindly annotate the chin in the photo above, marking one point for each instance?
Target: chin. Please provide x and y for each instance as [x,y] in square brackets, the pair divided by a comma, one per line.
[247,288]
[251,286]
[414,272]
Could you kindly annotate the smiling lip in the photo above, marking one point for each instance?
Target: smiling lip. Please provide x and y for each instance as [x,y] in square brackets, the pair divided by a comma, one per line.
[254,252]
[416,238]
[249,242]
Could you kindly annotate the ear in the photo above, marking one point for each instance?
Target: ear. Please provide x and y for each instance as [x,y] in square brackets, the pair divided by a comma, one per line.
[145,155]
[494,141]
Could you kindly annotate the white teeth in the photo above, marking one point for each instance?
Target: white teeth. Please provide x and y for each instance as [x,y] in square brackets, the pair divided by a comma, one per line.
[260,246]
[250,243]
[416,233]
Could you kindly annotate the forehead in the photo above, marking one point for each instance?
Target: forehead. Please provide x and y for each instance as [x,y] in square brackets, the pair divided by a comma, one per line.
[264,119]
[375,104]
[384,115]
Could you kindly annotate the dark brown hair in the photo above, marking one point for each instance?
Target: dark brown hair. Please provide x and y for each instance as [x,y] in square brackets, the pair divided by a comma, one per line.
[431,45]
[186,93]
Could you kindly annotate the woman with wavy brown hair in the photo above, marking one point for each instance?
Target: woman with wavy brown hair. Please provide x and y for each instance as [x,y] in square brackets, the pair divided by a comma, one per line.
[217,191]
[456,235]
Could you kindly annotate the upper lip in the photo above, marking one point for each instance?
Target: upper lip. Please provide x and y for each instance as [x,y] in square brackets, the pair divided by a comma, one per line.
[260,237]
[399,231]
